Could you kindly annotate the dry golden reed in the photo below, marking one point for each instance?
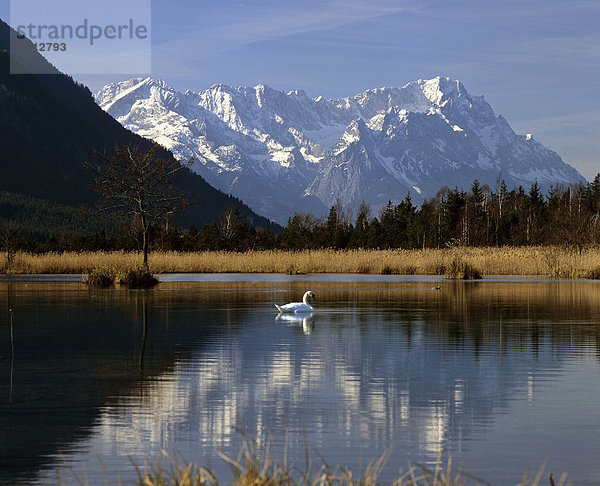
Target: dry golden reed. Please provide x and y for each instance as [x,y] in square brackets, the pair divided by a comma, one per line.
[556,262]
[262,465]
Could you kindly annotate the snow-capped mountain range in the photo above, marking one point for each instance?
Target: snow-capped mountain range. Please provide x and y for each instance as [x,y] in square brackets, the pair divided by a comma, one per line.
[284,152]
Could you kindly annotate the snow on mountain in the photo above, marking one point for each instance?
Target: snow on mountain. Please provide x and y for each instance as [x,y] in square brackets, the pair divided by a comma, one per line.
[284,152]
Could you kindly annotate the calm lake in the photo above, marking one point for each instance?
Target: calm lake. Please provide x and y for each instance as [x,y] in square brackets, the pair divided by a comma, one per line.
[501,375]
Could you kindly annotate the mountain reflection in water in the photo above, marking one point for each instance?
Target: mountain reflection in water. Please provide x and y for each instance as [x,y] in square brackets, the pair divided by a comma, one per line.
[501,375]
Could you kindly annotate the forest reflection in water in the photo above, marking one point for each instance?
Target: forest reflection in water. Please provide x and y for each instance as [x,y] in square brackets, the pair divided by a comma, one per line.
[127,373]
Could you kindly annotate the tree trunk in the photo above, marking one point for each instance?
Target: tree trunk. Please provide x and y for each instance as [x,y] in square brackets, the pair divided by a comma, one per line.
[145,250]
[145,228]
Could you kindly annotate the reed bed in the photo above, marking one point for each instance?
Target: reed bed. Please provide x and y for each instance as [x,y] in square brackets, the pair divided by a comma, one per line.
[262,465]
[556,262]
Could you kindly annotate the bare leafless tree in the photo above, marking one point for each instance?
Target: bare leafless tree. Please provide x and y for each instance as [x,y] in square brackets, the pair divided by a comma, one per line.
[139,184]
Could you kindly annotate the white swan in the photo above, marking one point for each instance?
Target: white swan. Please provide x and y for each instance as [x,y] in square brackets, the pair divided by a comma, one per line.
[303,306]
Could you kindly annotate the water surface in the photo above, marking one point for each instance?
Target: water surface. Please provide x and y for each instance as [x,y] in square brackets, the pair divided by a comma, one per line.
[501,375]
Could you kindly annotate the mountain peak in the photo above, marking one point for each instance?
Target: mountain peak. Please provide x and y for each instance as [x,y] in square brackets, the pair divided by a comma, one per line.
[149,81]
[356,132]
[439,89]
[282,152]
[221,88]
[298,93]
[262,88]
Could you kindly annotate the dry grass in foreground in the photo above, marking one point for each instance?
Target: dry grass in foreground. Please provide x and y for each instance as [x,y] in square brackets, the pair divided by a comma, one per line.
[556,262]
[256,465]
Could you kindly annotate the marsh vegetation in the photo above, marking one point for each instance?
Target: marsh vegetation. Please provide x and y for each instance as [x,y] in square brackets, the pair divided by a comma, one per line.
[551,261]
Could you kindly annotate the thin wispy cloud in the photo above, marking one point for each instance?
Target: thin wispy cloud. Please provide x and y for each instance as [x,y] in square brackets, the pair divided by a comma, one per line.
[563,122]
[545,50]
[262,23]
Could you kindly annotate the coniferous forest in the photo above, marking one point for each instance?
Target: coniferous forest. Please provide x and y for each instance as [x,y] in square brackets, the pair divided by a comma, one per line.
[482,216]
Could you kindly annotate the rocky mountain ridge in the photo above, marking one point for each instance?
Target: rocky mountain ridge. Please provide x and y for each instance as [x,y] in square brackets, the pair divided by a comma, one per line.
[285,152]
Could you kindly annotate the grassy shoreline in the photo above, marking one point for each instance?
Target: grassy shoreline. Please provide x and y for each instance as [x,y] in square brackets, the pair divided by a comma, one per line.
[261,464]
[555,262]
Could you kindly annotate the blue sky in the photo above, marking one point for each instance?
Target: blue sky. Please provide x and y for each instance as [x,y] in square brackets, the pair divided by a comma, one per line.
[537,62]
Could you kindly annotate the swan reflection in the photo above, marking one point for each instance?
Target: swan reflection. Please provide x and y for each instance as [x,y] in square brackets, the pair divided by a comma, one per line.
[305,319]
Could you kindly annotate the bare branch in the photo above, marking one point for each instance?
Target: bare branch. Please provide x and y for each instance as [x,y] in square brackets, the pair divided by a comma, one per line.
[139,184]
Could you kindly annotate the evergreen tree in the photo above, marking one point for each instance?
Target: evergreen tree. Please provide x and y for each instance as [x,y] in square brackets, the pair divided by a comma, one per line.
[389,233]
[298,234]
[453,227]
[476,216]
[360,231]
[535,214]
[404,215]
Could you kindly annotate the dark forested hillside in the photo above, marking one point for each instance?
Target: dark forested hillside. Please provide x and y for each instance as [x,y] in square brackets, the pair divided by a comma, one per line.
[39,220]
[50,125]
